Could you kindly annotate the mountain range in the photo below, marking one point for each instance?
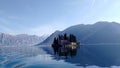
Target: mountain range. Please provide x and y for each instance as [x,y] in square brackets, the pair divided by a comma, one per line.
[21,39]
[99,33]
[101,44]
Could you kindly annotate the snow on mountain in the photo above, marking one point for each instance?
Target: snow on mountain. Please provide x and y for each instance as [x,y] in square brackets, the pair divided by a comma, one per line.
[21,39]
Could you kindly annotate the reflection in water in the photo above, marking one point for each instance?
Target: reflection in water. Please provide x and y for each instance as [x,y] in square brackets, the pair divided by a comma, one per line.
[33,57]
[47,61]
[29,57]
[99,55]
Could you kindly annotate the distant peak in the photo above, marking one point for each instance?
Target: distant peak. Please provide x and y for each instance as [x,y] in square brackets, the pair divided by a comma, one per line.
[57,31]
[116,23]
[106,22]
[102,22]
[22,35]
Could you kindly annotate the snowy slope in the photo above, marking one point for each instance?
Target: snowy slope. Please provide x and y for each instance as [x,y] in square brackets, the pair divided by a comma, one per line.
[22,39]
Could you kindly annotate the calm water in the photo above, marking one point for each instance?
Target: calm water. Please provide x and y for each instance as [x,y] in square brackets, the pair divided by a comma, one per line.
[29,57]
[34,57]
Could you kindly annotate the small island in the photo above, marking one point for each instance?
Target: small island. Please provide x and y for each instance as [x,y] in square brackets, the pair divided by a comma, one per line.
[65,45]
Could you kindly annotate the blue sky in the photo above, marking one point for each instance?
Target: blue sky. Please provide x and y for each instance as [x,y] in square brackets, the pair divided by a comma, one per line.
[39,17]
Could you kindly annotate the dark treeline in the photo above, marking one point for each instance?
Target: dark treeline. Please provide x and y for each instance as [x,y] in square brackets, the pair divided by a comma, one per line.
[65,45]
[70,38]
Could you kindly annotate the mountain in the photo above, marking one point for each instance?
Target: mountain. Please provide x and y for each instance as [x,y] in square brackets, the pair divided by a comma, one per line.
[50,38]
[21,39]
[92,53]
[98,33]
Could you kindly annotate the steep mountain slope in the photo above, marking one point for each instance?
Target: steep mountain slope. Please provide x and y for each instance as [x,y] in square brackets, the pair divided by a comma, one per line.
[110,33]
[101,44]
[98,33]
[49,40]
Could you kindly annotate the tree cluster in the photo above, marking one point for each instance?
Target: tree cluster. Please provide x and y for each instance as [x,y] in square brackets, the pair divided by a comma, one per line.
[70,38]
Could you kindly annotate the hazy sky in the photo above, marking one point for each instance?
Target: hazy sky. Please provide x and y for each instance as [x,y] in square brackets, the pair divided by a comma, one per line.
[45,16]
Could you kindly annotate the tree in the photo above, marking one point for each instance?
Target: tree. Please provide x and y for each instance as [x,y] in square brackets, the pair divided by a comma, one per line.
[72,38]
[65,37]
[55,41]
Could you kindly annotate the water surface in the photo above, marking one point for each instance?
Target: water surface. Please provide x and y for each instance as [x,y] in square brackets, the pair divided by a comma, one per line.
[95,56]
